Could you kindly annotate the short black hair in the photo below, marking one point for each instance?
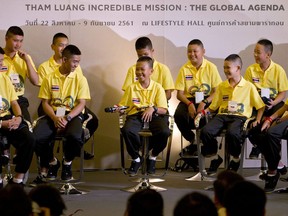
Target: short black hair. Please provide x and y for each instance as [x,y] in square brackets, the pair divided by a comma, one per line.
[234,58]
[58,35]
[242,196]
[196,42]
[71,50]
[268,45]
[195,204]
[2,51]
[145,202]
[14,30]
[146,59]
[142,43]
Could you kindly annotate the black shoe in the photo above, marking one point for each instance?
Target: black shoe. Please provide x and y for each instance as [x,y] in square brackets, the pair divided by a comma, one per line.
[282,171]
[134,167]
[255,152]
[151,166]
[66,173]
[214,165]
[11,182]
[40,179]
[234,165]
[263,176]
[4,160]
[53,170]
[271,182]
[1,185]
[88,156]
[190,150]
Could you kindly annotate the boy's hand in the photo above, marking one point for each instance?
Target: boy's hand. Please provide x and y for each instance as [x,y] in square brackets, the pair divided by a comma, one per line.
[147,114]
[192,110]
[23,55]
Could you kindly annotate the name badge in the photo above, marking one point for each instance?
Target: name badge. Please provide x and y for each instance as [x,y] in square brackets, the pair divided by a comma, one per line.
[265,92]
[199,96]
[60,112]
[232,106]
[15,78]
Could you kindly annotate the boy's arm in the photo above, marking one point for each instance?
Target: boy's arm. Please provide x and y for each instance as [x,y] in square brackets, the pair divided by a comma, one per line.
[32,74]
[191,108]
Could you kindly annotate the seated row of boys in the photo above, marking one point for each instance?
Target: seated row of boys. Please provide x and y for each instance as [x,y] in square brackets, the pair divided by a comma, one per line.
[198,77]
[63,95]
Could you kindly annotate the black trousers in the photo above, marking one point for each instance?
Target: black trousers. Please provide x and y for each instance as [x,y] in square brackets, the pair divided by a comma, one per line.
[269,143]
[92,125]
[24,104]
[234,137]
[184,122]
[45,133]
[160,133]
[23,141]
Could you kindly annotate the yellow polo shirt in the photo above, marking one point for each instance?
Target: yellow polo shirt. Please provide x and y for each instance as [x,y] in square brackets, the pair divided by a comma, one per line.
[161,74]
[50,66]
[273,78]
[135,96]
[17,71]
[7,94]
[244,93]
[191,80]
[64,91]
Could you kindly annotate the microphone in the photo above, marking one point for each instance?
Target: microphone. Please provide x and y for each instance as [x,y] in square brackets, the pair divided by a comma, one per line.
[113,109]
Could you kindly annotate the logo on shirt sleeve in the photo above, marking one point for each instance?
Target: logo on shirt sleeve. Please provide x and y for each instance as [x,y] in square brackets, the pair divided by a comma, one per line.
[255,79]
[55,88]
[225,97]
[188,77]
[136,100]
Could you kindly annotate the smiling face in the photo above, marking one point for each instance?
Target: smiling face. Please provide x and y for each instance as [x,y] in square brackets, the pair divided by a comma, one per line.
[231,69]
[71,63]
[261,56]
[195,54]
[143,71]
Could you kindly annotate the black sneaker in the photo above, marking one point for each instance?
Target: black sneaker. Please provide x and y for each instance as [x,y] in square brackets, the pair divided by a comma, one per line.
[88,156]
[283,170]
[40,179]
[271,182]
[53,170]
[214,165]
[134,167]
[234,165]
[151,166]
[255,152]
[4,160]
[66,173]
[1,185]
[263,176]
[190,150]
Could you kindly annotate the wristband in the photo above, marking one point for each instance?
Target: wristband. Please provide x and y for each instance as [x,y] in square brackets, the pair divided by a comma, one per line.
[203,112]
[189,103]
[269,119]
[20,117]
[155,109]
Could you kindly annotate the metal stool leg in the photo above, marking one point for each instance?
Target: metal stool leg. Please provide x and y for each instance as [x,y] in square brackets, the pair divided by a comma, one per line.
[144,181]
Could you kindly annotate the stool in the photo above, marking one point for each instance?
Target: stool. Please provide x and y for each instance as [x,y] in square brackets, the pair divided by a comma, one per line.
[202,174]
[144,183]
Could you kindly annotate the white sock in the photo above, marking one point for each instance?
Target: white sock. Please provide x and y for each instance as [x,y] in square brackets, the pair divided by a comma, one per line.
[43,174]
[137,160]
[236,159]
[54,162]
[16,180]
[214,157]
[152,157]
[67,163]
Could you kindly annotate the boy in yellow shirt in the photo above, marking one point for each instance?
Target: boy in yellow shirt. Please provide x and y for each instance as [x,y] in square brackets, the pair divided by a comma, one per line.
[13,128]
[64,94]
[20,66]
[234,99]
[145,93]
[161,72]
